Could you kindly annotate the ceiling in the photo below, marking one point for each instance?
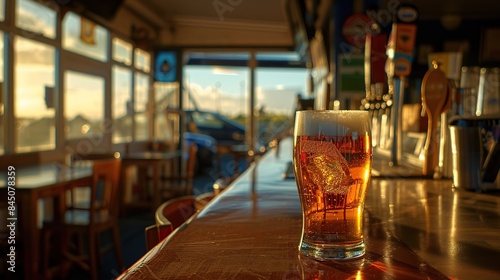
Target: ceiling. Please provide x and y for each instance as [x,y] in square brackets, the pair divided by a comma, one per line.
[273,12]
[245,22]
[217,22]
[251,11]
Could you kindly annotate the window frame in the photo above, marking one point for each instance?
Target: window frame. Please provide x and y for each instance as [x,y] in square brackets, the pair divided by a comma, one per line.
[65,60]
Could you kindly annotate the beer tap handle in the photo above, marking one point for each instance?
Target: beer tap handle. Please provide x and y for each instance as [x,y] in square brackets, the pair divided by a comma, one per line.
[434,97]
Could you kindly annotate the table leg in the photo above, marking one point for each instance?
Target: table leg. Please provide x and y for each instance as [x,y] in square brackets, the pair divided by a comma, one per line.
[30,235]
[236,164]
[126,192]
[156,185]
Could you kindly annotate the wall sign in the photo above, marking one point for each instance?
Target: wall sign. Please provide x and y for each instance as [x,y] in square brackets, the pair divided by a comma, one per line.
[166,66]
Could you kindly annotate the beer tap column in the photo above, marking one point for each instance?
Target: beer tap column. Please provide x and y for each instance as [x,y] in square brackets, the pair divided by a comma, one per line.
[400,57]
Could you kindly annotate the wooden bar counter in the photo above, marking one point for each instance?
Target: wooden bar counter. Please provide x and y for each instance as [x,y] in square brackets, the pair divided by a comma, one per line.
[414,229]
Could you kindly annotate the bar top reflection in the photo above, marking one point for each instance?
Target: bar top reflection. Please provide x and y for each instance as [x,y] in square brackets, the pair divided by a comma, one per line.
[456,231]
[414,229]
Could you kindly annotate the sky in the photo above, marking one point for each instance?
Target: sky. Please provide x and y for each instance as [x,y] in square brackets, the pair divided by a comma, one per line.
[224,89]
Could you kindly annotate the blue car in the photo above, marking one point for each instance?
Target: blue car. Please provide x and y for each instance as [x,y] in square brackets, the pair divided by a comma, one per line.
[207,149]
[222,129]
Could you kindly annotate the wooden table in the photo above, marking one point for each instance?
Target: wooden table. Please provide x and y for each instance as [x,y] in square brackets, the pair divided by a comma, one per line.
[414,229]
[32,184]
[156,161]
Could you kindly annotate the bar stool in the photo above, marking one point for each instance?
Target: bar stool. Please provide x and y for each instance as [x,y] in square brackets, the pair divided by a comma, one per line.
[175,211]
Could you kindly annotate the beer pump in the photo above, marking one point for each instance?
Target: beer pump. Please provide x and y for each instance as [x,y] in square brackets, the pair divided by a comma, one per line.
[400,52]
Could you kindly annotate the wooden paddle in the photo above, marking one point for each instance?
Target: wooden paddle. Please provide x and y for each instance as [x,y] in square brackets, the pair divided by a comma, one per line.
[434,97]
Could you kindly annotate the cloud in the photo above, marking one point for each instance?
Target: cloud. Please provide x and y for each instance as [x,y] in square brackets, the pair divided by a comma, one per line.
[211,99]
[274,100]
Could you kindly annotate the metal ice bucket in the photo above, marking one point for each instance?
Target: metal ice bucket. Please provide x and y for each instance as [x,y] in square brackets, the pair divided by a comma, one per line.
[475,152]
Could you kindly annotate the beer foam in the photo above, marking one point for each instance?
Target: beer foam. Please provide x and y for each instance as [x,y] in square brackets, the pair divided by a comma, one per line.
[331,122]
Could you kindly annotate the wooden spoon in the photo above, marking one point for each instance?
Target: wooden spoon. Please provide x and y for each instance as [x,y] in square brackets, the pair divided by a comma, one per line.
[434,97]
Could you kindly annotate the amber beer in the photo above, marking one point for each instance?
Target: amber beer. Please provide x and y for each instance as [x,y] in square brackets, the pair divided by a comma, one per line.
[332,159]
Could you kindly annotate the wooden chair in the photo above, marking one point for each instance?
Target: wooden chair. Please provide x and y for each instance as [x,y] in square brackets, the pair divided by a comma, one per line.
[80,223]
[156,233]
[80,196]
[175,211]
[180,185]
[89,158]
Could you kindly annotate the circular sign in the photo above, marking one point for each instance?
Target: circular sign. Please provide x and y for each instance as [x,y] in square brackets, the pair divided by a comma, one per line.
[355,28]
[407,14]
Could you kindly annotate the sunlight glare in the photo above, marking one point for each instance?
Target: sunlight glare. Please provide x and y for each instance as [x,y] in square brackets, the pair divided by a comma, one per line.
[85,129]
[223,71]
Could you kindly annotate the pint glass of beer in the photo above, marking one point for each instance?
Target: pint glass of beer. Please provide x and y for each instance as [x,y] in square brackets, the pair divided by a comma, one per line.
[332,160]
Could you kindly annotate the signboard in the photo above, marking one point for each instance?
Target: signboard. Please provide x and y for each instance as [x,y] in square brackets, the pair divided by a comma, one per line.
[166,66]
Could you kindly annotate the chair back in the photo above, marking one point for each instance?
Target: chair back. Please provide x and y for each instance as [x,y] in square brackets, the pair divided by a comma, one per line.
[156,233]
[104,189]
[83,159]
[175,211]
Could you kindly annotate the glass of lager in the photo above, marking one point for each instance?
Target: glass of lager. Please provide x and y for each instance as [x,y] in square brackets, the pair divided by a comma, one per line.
[332,160]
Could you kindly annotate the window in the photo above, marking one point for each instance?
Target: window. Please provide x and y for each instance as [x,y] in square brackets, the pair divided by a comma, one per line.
[166,120]
[220,91]
[222,88]
[122,104]
[122,51]
[39,43]
[84,37]
[217,89]
[34,100]
[276,97]
[142,60]
[36,18]
[140,106]
[84,106]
